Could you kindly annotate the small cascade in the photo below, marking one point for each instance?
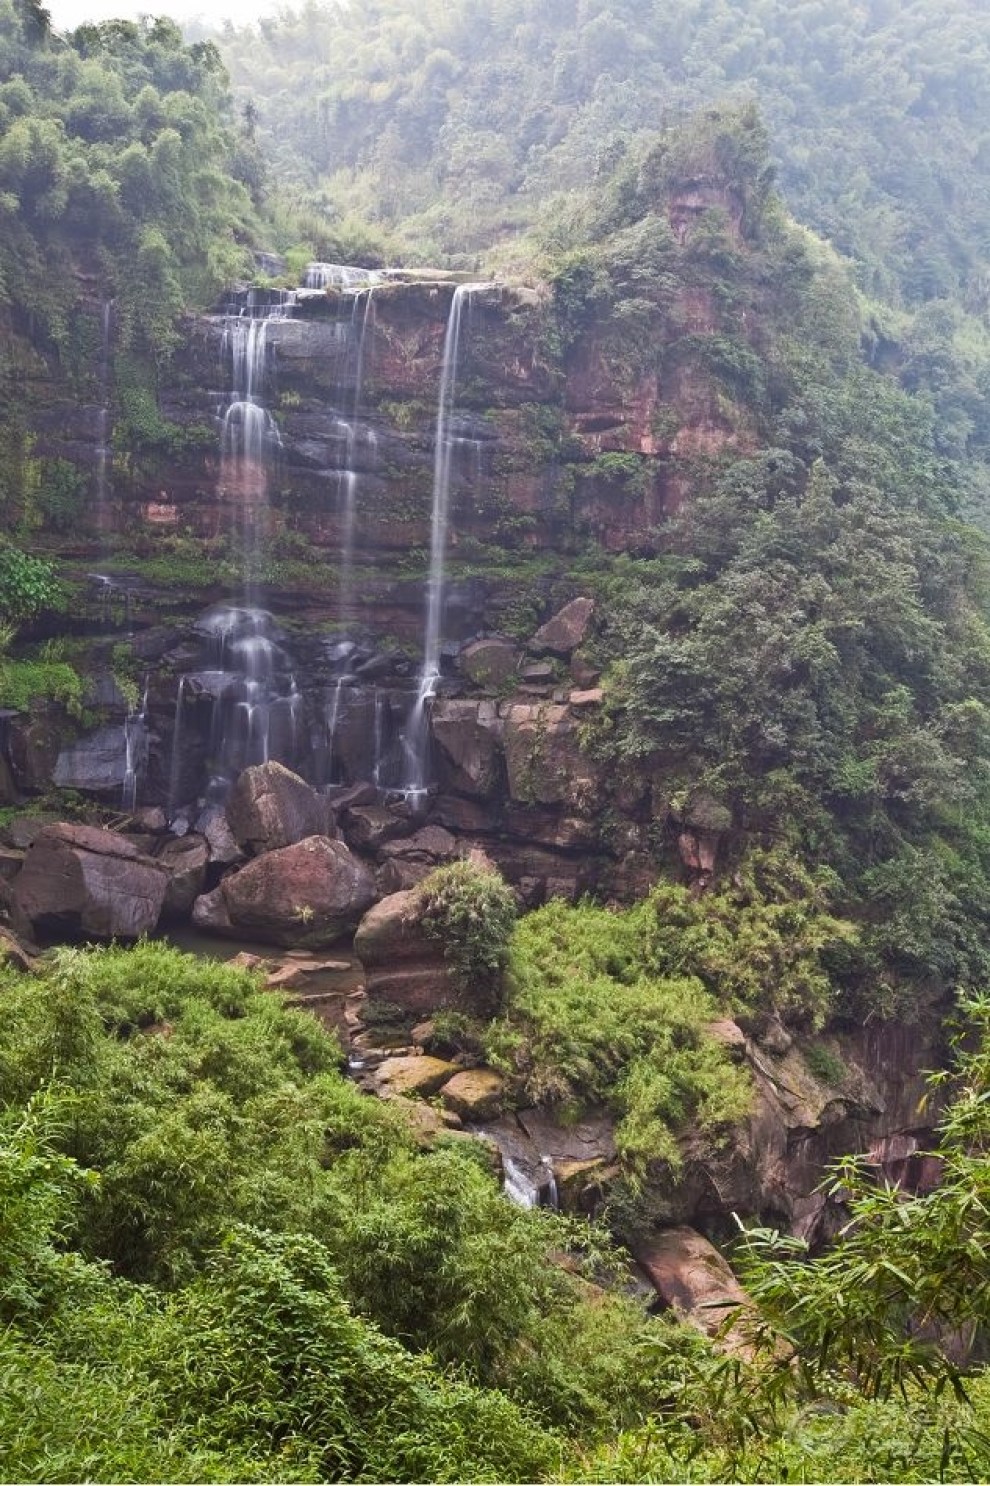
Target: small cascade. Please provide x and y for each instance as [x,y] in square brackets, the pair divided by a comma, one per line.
[528,1187]
[175,768]
[250,438]
[417,731]
[343,276]
[378,738]
[243,704]
[102,515]
[362,320]
[135,749]
[332,719]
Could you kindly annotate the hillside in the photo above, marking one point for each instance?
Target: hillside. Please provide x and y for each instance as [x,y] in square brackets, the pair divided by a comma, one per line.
[492,548]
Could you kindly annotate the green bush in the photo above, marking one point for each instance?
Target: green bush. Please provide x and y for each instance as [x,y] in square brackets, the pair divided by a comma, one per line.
[589,1021]
[28,586]
[471,912]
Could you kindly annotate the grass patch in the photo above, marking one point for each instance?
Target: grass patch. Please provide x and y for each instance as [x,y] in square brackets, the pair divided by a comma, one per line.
[589,1020]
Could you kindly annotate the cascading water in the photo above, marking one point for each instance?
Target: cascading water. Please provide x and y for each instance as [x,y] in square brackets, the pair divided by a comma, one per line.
[417,730]
[252,705]
[250,438]
[362,321]
[343,276]
[103,424]
[135,749]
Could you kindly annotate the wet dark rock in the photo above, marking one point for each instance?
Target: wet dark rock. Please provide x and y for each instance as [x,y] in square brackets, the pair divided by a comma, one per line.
[270,807]
[468,735]
[186,860]
[399,876]
[568,629]
[152,644]
[82,881]
[95,764]
[212,823]
[34,743]
[370,827]
[308,895]
[103,690]
[431,844]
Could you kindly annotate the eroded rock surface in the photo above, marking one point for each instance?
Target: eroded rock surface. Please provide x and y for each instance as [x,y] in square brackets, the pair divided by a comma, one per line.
[83,881]
[692,1279]
[309,894]
[271,807]
[402,963]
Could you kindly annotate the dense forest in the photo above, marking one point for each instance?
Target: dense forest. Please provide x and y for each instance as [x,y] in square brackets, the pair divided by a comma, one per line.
[218,1259]
[460,126]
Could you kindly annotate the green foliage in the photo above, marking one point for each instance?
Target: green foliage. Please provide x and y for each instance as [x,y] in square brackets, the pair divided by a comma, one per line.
[459,126]
[23,681]
[471,911]
[28,586]
[60,497]
[590,1020]
[320,1300]
[114,151]
[766,941]
[315,1295]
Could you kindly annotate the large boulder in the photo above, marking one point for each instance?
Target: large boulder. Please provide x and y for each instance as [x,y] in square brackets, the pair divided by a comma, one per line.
[270,807]
[489,663]
[546,763]
[416,1075]
[468,739]
[307,895]
[402,964]
[565,631]
[475,1094]
[96,763]
[83,881]
[693,1280]
[186,859]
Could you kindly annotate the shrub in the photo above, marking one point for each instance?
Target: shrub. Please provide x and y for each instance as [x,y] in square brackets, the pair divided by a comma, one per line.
[28,585]
[590,1021]
[471,912]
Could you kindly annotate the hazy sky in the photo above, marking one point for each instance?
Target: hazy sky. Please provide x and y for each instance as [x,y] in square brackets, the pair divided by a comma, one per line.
[68,13]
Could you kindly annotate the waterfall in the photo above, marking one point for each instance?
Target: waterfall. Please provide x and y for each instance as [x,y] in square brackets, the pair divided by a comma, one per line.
[250,435]
[349,480]
[343,276]
[102,515]
[175,768]
[378,741]
[332,717]
[530,1188]
[135,749]
[417,731]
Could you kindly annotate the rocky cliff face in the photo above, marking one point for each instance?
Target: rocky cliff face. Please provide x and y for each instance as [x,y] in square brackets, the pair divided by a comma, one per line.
[558,451]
